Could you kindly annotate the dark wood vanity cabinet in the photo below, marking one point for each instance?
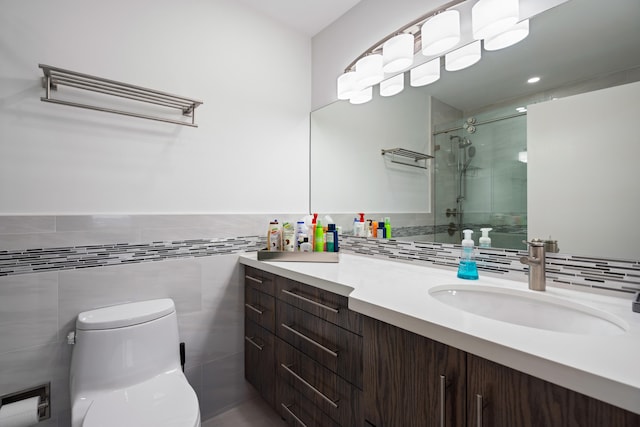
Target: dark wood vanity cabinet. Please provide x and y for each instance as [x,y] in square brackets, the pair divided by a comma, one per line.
[313,363]
[499,396]
[259,324]
[320,364]
[410,380]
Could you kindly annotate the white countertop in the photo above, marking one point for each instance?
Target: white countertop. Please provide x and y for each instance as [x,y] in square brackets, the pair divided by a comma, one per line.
[603,367]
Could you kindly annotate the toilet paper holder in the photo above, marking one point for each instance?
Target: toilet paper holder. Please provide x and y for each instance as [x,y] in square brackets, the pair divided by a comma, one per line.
[42,391]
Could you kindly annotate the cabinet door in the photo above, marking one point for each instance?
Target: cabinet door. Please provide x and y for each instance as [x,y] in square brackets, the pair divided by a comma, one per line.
[498,396]
[410,380]
[259,360]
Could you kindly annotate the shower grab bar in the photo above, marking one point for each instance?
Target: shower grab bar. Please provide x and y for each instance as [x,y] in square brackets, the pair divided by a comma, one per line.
[54,77]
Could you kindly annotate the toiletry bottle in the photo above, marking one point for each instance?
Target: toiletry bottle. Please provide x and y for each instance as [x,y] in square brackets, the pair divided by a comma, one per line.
[375,229]
[288,237]
[305,246]
[274,236]
[387,227]
[382,231]
[301,231]
[319,238]
[485,240]
[332,238]
[467,268]
[358,227]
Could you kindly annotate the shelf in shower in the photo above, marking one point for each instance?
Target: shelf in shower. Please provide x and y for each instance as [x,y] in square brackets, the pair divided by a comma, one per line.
[419,159]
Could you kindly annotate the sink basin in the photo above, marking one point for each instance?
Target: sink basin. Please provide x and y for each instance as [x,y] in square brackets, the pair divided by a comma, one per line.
[529,308]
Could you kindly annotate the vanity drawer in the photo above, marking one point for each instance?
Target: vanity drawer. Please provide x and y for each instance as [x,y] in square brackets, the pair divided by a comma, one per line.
[297,410]
[259,360]
[260,308]
[259,280]
[324,304]
[332,394]
[330,345]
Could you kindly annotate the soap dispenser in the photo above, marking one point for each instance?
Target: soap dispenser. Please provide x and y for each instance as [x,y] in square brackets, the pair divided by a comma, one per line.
[467,268]
[485,240]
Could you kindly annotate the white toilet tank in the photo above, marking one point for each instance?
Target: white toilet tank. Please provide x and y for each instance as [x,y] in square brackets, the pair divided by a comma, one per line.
[125,369]
[124,344]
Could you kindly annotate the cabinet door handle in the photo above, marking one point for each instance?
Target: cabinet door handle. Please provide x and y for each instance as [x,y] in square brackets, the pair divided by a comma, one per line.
[303,381]
[443,399]
[310,301]
[250,340]
[316,343]
[479,410]
[253,279]
[286,408]
[249,306]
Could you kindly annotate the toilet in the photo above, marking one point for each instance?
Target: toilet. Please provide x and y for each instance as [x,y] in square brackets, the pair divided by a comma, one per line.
[125,369]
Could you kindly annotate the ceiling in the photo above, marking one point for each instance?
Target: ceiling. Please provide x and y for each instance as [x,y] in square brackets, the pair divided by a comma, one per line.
[308,16]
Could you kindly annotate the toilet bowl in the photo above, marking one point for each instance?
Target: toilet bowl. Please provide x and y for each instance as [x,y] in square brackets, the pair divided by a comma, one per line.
[125,369]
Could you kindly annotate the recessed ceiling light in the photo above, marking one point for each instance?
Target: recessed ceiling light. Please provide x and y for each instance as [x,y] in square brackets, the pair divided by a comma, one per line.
[533,80]
[521,109]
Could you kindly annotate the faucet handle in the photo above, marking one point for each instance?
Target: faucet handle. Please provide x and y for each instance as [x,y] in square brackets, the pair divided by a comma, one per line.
[534,242]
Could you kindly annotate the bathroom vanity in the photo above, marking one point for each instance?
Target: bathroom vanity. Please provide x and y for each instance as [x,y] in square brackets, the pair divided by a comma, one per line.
[365,343]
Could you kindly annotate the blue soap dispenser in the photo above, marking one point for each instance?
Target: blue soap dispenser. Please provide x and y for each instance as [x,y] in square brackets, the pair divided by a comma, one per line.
[467,268]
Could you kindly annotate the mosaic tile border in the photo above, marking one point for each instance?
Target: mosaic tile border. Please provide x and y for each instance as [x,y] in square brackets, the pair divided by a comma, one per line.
[76,257]
[588,272]
[595,273]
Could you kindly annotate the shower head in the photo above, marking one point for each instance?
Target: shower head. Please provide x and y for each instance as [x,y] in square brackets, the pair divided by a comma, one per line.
[464,142]
[471,151]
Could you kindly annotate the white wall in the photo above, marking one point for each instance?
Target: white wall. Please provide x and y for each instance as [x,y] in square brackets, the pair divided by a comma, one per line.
[252,74]
[583,172]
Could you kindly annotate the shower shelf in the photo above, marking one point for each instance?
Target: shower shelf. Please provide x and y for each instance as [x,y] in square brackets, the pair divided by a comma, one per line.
[54,77]
[407,154]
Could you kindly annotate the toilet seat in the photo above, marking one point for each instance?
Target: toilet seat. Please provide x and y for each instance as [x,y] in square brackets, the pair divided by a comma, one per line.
[166,400]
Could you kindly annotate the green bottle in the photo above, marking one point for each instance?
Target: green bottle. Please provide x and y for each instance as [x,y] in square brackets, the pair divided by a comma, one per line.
[318,242]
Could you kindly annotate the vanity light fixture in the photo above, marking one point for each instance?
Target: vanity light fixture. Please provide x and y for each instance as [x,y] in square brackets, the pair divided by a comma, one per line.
[495,22]
[369,70]
[362,96]
[440,33]
[492,17]
[533,80]
[426,73]
[511,36]
[463,57]
[347,86]
[397,53]
[392,86]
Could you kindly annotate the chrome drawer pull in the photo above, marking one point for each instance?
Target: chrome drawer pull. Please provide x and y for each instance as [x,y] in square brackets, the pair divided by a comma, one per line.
[301,335]
[286,408]
[326,307]
[250,339]
[254,309]
[315,390]
[479,410]
[443,397]
[253,279]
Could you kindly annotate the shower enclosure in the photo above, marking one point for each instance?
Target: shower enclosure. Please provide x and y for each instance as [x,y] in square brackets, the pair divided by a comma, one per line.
[480,178]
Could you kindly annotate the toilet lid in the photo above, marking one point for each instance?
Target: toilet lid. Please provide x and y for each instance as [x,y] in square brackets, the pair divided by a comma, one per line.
[164,401]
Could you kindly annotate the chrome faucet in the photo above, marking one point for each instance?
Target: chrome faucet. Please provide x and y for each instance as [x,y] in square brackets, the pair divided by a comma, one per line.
[536,263]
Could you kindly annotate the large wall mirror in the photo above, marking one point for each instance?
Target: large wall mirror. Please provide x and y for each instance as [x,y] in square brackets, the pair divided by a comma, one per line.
[472,123]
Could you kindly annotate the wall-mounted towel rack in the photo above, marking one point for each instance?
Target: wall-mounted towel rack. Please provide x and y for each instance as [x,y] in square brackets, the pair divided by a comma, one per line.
[54,77]
[407,154]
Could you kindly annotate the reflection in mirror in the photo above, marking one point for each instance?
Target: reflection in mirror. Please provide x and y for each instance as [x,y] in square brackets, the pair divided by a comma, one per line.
[579,46]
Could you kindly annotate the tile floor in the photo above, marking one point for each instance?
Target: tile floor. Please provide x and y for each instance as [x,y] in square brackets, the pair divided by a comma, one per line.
[252,413]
